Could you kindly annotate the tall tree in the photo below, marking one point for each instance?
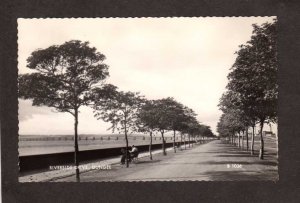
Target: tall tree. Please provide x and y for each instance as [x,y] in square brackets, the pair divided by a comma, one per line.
[223,129]
[254,75]
[189,123]
[162,123]
[230,124]
[193,129]
[164,110]
[121,109]
[205,130]
[230,102]
[146,120]
[63,79]
[175,115]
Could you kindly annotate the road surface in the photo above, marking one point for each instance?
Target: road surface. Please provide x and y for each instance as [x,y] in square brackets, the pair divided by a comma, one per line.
[216,160]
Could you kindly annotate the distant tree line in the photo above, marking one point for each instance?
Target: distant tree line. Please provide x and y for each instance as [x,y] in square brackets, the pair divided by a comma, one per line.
[69,76]
[252,91]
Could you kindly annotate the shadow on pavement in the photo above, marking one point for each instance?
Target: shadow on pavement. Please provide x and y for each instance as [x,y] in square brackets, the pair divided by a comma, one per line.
[230,154]
[147,162]
[235,155]
[239,162]
[242,175]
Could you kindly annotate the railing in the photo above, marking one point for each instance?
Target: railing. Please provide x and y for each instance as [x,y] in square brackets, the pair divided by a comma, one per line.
[98,138]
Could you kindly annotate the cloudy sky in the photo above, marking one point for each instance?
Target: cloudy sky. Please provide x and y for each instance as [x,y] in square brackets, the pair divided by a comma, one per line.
[184,58]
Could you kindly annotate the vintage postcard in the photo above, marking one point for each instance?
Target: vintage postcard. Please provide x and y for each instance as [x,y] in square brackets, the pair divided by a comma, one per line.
[148,99]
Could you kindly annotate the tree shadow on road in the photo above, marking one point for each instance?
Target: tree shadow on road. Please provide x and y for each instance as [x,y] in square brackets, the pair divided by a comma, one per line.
[267,175]
[147,162]
[235,155]
[266,163]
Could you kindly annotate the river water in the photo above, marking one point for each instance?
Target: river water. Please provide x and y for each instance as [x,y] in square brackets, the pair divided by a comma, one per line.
[34,146]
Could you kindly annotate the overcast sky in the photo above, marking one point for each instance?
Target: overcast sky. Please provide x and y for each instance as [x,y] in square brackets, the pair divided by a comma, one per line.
[184,58]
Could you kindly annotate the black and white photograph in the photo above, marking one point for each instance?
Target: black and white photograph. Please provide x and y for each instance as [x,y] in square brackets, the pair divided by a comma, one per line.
[148,99]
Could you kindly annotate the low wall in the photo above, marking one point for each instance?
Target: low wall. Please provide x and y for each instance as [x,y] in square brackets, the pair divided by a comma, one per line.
[43,161]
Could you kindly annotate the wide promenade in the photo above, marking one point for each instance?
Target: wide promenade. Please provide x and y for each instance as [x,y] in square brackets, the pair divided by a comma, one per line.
[216,160]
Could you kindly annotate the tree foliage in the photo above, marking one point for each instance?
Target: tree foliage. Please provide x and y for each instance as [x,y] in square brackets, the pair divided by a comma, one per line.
[147,117]
[121,110]
[253,87]
[254,73]
[63,78]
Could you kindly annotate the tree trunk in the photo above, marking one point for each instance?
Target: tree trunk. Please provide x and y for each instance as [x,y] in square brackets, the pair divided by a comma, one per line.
[76,146]
[163,143]
[261,151]
[239,139]
[126,138]
[277,144]
[234,139]
[243,135]
[189,140]
[181,141]
[252,141]
[174,146]
[150,146]
[184,142]
[247,139]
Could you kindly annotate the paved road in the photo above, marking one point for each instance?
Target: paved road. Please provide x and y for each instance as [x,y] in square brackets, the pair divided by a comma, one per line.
[215,160]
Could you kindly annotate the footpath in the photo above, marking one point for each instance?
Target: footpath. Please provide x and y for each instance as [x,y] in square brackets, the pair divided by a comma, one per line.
[63,172]
[212,161]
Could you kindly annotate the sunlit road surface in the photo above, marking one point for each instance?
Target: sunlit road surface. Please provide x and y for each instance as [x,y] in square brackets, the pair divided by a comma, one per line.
[214,161]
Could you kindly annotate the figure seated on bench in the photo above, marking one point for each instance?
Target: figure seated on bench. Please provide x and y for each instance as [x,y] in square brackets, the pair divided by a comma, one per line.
[134,153]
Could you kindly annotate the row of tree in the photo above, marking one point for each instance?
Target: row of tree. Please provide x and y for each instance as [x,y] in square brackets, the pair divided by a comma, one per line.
[252,91]
[130,112]
[69,76]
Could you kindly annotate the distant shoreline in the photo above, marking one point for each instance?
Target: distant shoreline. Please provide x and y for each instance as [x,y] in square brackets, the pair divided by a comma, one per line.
[90,135]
